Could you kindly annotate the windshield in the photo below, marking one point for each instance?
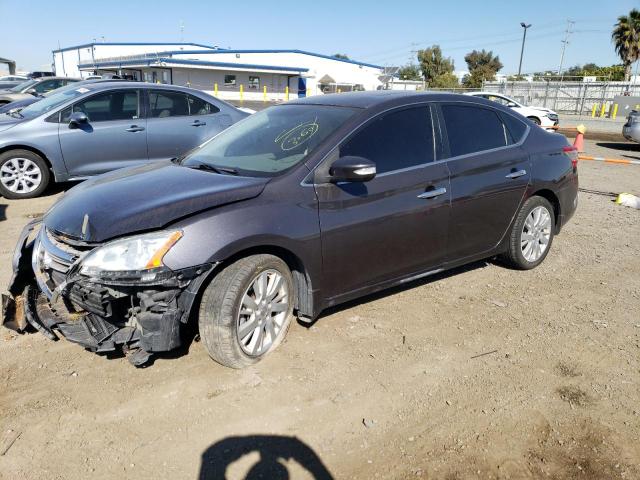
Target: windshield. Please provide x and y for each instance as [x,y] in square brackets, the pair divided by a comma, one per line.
[24,85]
[52,101]
[271,141]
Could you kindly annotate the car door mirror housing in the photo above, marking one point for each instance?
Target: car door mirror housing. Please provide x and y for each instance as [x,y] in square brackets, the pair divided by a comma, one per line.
[511,105]
[32,91]
[77,119]
[352,169]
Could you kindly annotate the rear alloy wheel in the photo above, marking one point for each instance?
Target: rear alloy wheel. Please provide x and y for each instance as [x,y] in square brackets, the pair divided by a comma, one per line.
[531,234]
[23,174]
[246,310]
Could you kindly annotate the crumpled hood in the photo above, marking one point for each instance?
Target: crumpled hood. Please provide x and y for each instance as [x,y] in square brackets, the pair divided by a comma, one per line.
[142,198]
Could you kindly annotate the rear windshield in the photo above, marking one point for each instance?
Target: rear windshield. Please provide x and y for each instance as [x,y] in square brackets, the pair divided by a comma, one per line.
[271,141]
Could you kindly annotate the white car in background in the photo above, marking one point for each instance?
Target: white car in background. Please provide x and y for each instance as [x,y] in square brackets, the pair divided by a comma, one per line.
[545,117]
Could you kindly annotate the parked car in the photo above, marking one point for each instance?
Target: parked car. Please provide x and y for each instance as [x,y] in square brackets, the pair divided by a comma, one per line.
[20,104]
[9,81]
[40,74]
[297,208]
[631,129]
[545,117]
[101,126]
[30,88]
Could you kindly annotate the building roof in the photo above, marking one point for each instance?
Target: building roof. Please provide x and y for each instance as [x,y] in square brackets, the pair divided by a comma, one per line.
[165,61]
[85,45]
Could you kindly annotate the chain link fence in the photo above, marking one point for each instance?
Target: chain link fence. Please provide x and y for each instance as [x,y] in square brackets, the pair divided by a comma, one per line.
[577,98]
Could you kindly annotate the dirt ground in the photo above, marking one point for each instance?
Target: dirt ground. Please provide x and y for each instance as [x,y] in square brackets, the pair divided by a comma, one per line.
[482,372]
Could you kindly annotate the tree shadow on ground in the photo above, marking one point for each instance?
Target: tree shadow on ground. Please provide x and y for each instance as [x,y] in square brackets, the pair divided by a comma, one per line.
[274,452]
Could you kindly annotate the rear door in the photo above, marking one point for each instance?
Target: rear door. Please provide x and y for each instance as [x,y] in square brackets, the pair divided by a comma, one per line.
[395,224]
[489,176]
[114,137]
[178,122]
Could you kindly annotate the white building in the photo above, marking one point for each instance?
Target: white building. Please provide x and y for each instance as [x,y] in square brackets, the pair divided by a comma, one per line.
[250,74]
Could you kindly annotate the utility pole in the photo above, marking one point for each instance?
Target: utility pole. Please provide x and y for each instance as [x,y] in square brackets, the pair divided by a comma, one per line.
[565,42]
[524,37]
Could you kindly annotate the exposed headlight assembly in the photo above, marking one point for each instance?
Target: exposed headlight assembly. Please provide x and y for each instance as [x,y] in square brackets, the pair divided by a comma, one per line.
[133,258]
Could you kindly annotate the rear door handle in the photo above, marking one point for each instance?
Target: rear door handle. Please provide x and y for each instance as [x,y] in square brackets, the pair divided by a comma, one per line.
[198,123]
[517,174]
[135,128]
[436,192]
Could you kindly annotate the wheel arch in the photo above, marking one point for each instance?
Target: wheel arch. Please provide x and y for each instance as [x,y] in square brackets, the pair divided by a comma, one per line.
[304,304]
[38,152]
[552,198]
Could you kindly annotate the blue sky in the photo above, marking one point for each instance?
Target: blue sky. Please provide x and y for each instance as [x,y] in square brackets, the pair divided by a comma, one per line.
[379,32]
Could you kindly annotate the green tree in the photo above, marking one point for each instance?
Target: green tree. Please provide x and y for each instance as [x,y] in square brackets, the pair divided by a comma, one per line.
[341,56]
[446,80]
[626,40]
[483,66]
[409,72]
[433,64]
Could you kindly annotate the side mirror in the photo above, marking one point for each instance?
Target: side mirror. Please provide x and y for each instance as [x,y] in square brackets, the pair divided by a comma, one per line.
[511,105]
[352,169]
[32,91]
[77,119]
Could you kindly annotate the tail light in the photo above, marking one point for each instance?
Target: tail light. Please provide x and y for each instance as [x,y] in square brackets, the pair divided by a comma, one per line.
[571,152]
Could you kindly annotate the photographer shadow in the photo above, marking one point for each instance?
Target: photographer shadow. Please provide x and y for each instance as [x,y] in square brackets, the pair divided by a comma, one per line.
[274,451]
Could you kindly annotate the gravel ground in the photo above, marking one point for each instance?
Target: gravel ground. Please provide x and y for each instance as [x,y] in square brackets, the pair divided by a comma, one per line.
[482,372]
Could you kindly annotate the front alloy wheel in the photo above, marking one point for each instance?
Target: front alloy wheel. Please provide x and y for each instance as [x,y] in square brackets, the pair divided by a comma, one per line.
[246,310]
[23,174]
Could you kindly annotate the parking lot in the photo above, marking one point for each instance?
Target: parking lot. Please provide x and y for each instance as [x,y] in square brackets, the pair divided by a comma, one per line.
[481,372]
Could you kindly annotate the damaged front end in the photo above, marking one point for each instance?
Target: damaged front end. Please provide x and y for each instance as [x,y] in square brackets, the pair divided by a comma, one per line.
[58,287]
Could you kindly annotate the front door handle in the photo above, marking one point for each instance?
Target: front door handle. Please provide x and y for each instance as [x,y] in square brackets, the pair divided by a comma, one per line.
[135,128]
[198,123]
[517,174]
[436,192]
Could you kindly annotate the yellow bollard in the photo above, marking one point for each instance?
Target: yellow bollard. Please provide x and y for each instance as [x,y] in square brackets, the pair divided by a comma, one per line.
[286,93]
[264,93]
[339,91]
[593,111]
[241,93]
[602,110]
[215,89]
[615,111]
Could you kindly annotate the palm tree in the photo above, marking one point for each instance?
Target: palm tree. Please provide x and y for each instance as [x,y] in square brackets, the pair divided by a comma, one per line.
[626,39]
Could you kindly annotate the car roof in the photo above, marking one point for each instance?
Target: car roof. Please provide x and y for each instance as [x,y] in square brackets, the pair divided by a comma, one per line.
[380,98]
[105,84]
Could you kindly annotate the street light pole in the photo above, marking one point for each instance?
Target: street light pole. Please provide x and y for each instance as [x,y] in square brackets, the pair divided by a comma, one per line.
[524,37]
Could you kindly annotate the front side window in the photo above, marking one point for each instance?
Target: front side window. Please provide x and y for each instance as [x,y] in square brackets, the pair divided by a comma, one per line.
[198,106]
[472,129]
[166,103]
[230,80]
[396,140]
[115,105]
[254,83]
[270,142]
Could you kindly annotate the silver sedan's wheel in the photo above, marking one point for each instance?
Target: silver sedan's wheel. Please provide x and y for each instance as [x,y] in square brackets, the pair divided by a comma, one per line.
[20,175]
[263,312]
[536,233]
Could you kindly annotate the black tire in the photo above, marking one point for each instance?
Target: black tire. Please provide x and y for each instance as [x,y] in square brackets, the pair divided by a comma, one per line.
[45,174]
[535,120]
[514,255]
[221,302]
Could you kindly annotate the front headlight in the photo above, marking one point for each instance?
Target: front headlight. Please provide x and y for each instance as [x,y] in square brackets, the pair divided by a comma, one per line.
[130,257]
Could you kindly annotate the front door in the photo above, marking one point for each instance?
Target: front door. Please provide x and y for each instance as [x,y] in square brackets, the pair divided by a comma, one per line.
[114,137]
[396,224]
[489,177]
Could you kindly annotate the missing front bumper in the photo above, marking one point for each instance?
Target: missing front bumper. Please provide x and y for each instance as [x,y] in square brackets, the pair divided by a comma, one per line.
[138,319]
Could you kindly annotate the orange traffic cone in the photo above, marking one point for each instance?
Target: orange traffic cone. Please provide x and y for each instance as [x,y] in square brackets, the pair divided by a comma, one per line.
[578,144]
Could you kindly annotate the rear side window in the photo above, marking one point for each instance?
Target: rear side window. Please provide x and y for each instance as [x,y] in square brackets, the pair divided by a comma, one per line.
[198,106]
[396,140]
[168,104]
[472,129]
[515,128]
